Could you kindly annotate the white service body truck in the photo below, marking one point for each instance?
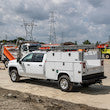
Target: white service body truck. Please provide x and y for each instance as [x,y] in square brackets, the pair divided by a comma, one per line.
[67,68]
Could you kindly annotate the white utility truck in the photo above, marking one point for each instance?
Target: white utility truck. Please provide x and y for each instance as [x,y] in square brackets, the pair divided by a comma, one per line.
[68,68]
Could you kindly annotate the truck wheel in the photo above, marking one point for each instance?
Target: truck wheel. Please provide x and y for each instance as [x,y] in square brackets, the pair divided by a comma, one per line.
[107,56]
[65,84]
[14,75]
[6,64]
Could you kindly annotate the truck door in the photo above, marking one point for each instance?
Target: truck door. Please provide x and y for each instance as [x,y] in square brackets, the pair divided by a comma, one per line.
[37,67]
[25,66]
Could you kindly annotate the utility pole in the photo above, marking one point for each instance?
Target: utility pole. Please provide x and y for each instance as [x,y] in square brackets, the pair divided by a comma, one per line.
[62,37]
[52,36]
[109,38]
[6,37]
[29,29]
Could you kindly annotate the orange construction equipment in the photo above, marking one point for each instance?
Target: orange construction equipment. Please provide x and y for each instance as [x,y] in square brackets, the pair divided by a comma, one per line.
[44,48]
[81,50]
[102,46]
[8,54]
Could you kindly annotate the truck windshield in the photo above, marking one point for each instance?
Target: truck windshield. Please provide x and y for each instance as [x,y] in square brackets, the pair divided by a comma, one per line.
[33,48]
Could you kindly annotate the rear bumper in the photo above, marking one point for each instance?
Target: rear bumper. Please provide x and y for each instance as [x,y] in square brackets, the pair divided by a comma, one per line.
[93,78]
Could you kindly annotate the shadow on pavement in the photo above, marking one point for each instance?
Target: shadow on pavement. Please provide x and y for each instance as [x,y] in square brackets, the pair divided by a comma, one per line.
[48,83]
[92,90]
[96,90]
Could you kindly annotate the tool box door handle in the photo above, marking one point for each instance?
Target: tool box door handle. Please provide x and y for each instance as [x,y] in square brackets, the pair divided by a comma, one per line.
[28,64]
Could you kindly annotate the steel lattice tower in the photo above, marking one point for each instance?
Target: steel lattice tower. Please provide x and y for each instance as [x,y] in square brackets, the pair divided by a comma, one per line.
[29,29]
[52,36]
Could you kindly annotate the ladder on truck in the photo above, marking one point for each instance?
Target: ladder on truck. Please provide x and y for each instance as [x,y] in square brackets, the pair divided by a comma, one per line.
[68,47]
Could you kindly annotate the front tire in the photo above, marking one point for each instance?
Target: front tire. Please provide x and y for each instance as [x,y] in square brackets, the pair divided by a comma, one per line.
[14,75]
[6,64]
[65,84]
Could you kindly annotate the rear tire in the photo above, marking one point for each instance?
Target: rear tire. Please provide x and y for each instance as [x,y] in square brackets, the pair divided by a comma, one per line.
[14,75]
[65,84]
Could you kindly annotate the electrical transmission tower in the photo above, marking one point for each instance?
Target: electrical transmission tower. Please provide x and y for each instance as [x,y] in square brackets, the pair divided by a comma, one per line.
[52,36]
[29,29]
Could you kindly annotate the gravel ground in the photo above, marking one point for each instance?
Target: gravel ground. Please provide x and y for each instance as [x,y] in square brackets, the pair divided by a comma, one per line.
[95,95]
[14,100]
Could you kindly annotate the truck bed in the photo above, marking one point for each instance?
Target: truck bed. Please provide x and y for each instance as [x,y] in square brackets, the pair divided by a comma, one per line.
[93,70]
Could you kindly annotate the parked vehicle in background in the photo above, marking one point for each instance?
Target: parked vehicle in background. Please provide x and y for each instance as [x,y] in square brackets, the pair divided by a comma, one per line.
[68,68]
[26,48]
[11,52]
[105,50]
[8,52]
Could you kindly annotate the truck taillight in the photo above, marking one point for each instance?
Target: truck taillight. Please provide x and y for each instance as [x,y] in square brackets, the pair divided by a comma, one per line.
[83,64]
[102,63]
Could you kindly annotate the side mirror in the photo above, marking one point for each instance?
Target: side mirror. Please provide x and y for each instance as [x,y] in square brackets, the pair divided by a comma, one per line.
[18,59]
[20,62]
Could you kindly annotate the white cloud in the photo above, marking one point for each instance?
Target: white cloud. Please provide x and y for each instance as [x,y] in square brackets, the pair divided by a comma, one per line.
[59,1]
[78,19]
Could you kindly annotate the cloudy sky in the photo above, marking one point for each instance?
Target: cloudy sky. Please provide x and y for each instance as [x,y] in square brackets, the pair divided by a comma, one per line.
[77,19]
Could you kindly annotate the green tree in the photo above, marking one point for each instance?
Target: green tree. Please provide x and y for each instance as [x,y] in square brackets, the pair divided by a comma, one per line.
[75,43]
[20,38]
[97,43]
[86,42]
[68,43]
[4,41]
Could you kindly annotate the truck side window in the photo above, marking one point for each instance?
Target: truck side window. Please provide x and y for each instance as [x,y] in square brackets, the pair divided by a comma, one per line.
[38,57]
[28,58]
[24,48]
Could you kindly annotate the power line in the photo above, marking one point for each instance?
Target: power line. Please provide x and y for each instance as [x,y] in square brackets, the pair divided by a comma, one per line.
[52,36]
[28,26]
